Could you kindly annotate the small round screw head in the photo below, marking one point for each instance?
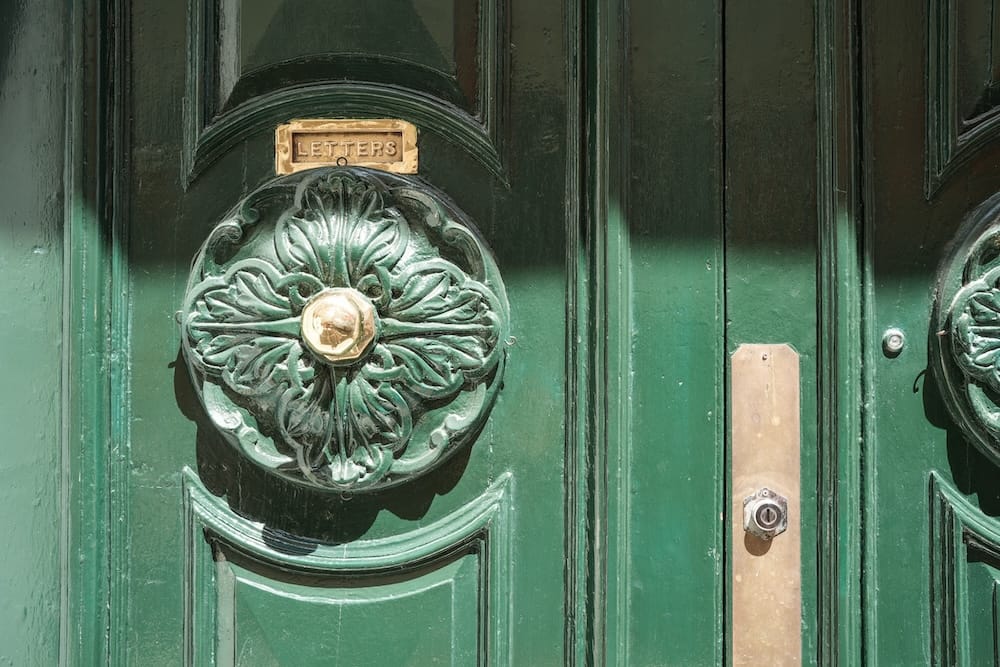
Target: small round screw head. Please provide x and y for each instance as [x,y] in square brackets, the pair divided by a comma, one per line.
[893,342]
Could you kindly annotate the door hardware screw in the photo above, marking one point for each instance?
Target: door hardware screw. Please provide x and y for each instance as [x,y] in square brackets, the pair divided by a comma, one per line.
[893,342]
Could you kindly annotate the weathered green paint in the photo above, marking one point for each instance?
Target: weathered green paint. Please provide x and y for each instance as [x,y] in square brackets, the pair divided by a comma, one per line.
[522,219]
[32,346]
[656,188]
[928,163]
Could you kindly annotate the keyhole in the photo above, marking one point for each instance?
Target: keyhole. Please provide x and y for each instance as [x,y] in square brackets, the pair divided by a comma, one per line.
[767,516]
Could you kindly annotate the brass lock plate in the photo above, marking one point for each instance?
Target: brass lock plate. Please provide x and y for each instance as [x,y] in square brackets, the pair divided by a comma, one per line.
[766,550]
[386,144]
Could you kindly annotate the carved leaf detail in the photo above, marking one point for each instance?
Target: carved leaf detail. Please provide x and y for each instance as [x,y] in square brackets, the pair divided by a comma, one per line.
[378,415]
[976,336]
[438,329]
[258,365]
[437,291]
[301,243]
[303,420]
[376,243]
[244,329]
[248,297]
[339,231]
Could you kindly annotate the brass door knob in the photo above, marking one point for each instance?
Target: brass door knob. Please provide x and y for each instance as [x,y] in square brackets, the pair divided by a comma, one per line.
[339,324]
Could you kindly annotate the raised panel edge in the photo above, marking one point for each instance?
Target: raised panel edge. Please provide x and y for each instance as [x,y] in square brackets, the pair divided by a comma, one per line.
[948,147]
[90,587]
[839,346]
[209,135]
[483,525]
[954,524]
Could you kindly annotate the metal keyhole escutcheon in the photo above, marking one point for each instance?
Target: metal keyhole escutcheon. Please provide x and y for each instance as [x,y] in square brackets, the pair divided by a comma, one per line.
[765,514]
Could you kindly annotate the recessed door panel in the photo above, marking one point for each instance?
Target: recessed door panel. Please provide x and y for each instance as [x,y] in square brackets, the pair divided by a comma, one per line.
[256,595]
[432,620]
[253,65]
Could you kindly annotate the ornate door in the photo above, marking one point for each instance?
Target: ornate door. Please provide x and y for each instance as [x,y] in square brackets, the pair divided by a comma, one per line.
[352,380]
[365,417]
[481,405]
[465,387]
[930,464]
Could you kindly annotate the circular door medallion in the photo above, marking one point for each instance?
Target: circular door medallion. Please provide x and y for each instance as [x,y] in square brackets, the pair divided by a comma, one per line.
[345,328]
[965,332]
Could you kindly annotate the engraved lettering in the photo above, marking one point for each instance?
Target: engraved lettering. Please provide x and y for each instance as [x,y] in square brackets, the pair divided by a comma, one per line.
[307,144]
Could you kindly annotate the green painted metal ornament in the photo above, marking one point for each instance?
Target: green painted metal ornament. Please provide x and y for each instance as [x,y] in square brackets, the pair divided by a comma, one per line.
[345,328]
[965,340]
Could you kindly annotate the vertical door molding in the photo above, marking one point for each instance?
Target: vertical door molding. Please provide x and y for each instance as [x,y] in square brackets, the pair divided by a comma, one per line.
[960,535]
[840,347]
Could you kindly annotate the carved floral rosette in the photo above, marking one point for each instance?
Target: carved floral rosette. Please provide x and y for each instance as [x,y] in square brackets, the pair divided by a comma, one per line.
[965,333]
[407,364]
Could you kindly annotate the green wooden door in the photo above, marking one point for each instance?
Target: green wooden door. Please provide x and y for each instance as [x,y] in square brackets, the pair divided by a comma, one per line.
[930,463]
[297,543]
[491,476]
[525,459]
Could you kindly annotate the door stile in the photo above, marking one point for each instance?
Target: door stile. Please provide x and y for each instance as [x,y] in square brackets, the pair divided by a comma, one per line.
[86,429]
[606,247]
[868,598]
[840,345]
[771,246]
[578,484]
[669,500]
[653,241]
[119,456]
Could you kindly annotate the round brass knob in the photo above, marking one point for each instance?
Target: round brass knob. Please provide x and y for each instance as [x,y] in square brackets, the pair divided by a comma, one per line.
[339,324]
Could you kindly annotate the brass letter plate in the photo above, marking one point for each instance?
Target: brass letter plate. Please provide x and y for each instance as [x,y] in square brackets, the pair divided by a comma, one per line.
[390,145]
[766,554]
